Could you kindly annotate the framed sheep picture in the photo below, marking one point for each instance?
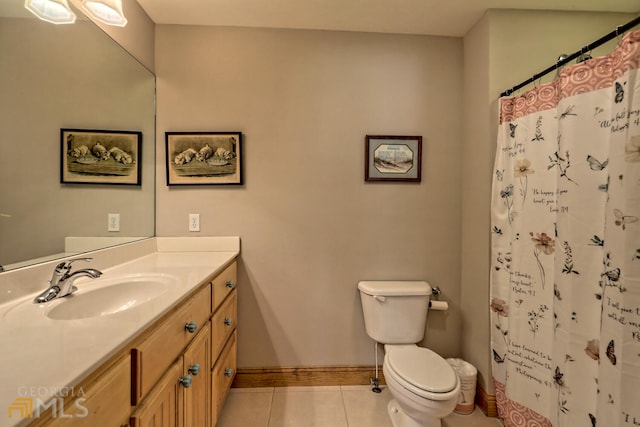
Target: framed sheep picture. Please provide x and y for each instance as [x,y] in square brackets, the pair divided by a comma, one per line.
[204,158]
[100,157]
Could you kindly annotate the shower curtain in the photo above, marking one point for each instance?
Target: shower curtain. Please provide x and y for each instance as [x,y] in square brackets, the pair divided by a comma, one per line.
[565,274]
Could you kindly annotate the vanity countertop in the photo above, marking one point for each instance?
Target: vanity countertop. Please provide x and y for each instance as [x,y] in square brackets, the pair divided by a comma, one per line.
[41,357]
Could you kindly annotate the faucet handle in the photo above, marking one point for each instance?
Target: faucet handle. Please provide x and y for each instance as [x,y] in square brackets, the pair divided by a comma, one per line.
[66,265]
[63,268]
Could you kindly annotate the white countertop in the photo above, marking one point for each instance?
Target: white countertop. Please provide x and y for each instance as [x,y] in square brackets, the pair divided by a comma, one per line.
[41,356]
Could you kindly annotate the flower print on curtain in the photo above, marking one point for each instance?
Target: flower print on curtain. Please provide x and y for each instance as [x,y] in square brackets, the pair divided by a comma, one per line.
[565,277]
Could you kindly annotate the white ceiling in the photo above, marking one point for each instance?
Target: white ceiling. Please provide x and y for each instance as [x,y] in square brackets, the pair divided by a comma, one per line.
[432,17]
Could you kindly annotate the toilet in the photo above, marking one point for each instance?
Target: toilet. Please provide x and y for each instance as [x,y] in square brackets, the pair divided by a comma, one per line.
[424,387]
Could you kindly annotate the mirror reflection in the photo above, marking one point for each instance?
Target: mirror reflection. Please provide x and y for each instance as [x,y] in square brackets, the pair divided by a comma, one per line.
[71,76]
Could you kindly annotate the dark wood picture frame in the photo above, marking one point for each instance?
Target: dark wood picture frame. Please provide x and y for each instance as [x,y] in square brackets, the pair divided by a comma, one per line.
[393,158]
[204,158]
[100,157]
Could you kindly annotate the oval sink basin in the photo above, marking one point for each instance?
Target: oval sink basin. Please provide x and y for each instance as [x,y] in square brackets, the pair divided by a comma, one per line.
[109,296]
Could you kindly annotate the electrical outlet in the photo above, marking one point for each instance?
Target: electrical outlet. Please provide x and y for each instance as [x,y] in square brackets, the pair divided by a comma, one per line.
[113,222]
[194,222]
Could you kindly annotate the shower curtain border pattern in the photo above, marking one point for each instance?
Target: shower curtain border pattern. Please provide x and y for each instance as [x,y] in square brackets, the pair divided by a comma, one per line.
[587,76]
[515,414]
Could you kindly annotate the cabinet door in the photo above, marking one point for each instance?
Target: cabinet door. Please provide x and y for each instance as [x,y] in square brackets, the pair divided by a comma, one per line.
[197,359]
[104,401]
[163,406]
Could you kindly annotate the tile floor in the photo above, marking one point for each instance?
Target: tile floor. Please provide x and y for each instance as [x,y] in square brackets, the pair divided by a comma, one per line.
[340,406]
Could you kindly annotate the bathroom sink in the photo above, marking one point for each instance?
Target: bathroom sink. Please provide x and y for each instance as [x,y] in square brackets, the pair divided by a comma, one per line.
[105,297]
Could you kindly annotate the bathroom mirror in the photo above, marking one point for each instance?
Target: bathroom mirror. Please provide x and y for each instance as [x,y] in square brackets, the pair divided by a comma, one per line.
[55,77]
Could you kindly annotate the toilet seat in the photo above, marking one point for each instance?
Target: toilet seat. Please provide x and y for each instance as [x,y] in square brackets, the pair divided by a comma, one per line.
[421,371]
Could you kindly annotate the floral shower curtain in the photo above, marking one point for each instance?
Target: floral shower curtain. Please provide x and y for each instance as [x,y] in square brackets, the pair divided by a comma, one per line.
[565,277]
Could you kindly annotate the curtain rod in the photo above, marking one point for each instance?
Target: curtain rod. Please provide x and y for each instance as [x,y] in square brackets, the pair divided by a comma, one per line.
[620,29]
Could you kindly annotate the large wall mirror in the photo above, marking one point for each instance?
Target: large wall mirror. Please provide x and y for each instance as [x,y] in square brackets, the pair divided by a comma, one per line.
[55,77]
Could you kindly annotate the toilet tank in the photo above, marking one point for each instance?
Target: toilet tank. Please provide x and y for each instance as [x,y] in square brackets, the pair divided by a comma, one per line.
[395,312]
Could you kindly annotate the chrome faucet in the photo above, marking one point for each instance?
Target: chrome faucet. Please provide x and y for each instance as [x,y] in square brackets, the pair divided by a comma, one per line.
[61,283]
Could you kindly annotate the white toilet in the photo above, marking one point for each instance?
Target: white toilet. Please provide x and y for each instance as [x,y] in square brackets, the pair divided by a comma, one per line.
[424,386]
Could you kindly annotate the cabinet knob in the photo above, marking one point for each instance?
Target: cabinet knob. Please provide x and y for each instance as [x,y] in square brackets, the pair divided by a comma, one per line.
[230,284]
[191,327]
[185,381]
[228,372]
[228,321]
[194,369]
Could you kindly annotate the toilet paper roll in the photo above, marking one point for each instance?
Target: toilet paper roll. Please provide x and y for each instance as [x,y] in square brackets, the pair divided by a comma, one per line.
[438,305]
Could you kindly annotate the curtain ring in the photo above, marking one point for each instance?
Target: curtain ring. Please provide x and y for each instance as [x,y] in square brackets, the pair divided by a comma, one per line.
[619,34]
[585,55]
[537,82]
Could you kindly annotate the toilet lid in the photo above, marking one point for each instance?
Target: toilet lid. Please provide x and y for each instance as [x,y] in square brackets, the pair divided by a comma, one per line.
[422,368]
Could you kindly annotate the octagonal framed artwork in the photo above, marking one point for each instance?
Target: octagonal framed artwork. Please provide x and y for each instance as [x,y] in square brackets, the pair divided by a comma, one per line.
[393,158]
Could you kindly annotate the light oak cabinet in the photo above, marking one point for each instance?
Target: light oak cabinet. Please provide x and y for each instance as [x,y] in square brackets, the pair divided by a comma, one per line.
[223,324]
[196,400]
[191,391]
[153,356]
[162,407]
[181,396]
[222,376]
[223,338]
[103,401]
[177,373]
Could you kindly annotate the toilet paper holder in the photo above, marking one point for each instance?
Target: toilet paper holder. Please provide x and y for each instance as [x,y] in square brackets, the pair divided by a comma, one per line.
[435,304]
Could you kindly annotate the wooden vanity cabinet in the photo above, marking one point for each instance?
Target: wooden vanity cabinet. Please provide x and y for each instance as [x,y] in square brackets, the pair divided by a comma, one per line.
[223,338]
[223,284]
[222,375]
[223,324]
[153,356]
[209,361]
[163,406]
[181,396]
[196,400]
[102,400]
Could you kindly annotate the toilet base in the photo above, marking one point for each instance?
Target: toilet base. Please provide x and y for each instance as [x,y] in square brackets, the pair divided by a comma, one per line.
[400,419]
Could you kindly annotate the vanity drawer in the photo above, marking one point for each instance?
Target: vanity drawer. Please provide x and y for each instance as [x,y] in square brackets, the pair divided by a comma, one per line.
[223,323]
[152,357]
[224,283]
[222,376]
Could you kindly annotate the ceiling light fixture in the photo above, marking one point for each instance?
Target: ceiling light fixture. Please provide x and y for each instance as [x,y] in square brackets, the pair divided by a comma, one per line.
[54,11]
[106,11]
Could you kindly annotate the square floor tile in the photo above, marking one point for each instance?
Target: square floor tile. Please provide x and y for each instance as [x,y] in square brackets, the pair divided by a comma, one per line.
[308,407]
[475,419]
[365,408]
[246,407]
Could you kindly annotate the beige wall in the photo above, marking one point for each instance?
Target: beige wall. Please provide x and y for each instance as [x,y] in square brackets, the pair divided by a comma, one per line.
[310,226]
[504,48]
[476,185]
